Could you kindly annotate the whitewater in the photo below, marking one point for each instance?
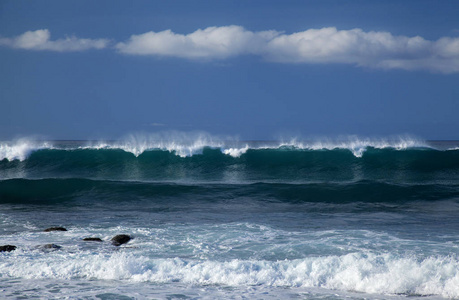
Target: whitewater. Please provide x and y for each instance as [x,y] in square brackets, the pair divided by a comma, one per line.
[216,217]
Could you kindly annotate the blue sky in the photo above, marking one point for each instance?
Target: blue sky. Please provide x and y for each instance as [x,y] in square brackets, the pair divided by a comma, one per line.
[253,69]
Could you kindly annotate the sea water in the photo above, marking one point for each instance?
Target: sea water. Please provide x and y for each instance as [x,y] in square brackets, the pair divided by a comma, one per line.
[215,218]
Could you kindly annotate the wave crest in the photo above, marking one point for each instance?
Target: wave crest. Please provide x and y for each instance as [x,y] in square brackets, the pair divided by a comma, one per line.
[187,144]
[181,143]
[21,149]
[357,145]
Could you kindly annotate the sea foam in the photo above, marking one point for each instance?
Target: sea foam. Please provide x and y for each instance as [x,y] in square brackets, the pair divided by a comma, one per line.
[357,272]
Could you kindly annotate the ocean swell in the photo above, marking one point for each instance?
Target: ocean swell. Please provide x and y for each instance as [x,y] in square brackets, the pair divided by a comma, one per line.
[56,191]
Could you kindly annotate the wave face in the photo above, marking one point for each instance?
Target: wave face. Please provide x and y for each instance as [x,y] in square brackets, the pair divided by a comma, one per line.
[218,218]
[233,162]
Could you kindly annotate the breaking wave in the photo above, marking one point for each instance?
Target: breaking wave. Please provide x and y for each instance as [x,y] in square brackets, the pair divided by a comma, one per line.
[190,144]
[202,157]
[358,272]
[21,149]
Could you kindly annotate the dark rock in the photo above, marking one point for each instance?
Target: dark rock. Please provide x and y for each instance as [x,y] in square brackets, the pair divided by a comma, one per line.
[92,239]
[120,239]
[50,246]
[7,248]
[55,229]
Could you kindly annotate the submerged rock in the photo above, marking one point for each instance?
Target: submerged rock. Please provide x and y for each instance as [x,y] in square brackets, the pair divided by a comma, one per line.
[7,248]
[50,247]
[55,229]
[120,239]
[92,239]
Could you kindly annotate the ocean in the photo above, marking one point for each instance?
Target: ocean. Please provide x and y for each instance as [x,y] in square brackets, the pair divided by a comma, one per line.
[219,218]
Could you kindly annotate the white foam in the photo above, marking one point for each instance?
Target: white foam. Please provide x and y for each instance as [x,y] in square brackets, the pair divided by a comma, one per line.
[184,144]
[357,145]
[358,272]
[236,152]
[20,149]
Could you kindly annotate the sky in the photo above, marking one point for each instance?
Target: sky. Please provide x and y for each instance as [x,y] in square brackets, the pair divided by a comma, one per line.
[252,69]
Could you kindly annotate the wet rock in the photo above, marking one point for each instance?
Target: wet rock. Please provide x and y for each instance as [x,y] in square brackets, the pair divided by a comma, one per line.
[55,229]
[7,248]
[92,239]
[120,239]
[50,247]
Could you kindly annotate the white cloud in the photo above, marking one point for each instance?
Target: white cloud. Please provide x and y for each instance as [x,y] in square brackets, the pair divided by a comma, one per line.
[210,43]
[40,40]
[371,49]
[327,45]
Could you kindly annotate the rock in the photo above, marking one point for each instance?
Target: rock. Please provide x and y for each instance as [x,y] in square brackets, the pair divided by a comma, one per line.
[50,247]
[55,229]
[92,239]
[120,239]
[7,248]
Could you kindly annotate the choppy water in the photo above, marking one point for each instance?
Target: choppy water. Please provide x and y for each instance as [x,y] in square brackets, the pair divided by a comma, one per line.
[211,218]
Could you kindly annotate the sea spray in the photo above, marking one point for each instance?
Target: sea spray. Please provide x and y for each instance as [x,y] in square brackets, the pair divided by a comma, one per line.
[186,144]
[21,149]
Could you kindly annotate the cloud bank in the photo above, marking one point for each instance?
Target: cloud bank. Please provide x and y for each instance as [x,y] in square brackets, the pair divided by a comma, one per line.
[40,40]
[372,49]
[327,45]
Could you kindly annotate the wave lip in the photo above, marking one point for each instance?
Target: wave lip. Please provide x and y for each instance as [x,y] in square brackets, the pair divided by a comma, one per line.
[358,145]
[21,149]
[182,144]
[186,145]
[190,144]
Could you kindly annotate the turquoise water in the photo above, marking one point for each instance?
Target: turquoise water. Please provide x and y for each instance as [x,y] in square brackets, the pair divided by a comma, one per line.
[326,219]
